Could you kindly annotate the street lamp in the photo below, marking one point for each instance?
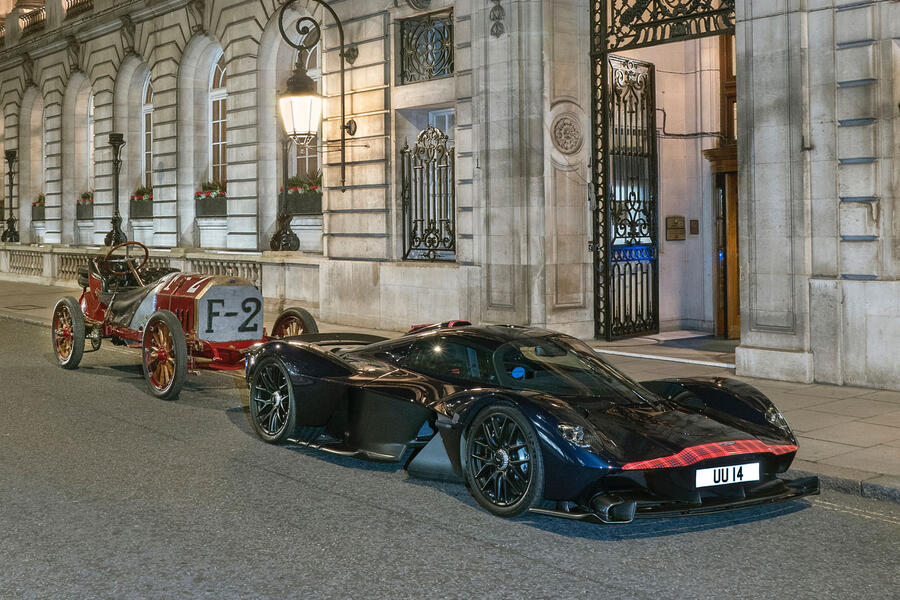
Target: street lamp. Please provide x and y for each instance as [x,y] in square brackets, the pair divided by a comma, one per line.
[116,236]
[10,235]
[301,111]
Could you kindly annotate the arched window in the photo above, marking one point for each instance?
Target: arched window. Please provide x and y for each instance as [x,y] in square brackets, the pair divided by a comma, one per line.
[147,134]
[218,164]
[307,161]
[90,141]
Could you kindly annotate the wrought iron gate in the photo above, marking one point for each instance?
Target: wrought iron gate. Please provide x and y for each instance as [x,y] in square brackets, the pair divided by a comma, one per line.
[625,214]
[428,194]
[631,200]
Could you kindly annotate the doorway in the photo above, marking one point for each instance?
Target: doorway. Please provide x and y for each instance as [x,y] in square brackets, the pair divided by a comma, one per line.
[630,235]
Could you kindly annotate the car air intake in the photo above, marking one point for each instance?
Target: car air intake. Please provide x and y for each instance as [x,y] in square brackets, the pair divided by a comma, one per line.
[613,509]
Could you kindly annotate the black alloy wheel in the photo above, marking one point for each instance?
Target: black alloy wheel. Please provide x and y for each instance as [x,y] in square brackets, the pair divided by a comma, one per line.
[504,465]
[273,409]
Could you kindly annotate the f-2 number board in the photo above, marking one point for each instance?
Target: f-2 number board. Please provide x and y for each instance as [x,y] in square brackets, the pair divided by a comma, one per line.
[230,314]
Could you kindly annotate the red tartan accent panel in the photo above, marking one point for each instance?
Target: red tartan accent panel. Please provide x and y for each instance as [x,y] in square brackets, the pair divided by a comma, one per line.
[695,454]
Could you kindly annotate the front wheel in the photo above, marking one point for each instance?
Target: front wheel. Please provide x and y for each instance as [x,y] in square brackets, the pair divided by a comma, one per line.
[68,332]
[504,465]
[164,355]
[294,321]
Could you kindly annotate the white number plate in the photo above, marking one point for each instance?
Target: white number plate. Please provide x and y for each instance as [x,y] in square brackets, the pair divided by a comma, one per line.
[728,475]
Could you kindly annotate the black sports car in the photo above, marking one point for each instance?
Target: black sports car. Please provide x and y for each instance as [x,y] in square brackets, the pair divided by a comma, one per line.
[531,420]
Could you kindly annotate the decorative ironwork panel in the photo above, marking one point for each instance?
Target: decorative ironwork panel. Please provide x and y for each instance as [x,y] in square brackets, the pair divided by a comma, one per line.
[636,23]
[428,194]
[630,201]
[426,47]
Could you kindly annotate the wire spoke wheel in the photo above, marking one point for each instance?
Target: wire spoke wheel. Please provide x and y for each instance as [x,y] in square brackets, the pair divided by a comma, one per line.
[62,332]
[160,356]
[272,403]
[165,355]
[293,322]
[67,332]
[504,468]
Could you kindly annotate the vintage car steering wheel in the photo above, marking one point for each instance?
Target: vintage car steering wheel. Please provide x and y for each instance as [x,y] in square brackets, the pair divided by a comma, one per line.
[108,261]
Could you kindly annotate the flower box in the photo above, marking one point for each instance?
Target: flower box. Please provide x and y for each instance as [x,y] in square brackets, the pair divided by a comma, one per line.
[141,209]
[304,203]
[84,212]
[37,212]
[212,207]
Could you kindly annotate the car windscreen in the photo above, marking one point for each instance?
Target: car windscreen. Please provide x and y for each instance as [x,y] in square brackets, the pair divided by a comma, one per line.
[555,364]
[563,366]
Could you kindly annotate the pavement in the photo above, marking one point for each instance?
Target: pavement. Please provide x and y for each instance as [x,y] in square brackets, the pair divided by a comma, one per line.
[107,492]
[848,436]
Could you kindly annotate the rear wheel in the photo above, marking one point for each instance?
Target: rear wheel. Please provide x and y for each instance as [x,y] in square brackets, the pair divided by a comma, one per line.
[504,465]
[68,332]
[294,321]
[164,355]
[273,407]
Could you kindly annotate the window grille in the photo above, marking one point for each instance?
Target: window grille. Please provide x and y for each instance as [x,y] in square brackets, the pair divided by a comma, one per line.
[426,47]
[428,194]
[218,163]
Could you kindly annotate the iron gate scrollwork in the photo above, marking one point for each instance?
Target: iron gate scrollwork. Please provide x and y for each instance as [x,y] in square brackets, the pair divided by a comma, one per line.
[428,194]
[631,200]
[625,214]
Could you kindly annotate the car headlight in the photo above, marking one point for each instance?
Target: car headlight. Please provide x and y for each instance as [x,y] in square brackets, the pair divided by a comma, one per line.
[774,416]
[574,434]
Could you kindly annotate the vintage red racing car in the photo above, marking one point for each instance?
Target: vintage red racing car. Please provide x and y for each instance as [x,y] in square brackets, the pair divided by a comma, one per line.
[180,321]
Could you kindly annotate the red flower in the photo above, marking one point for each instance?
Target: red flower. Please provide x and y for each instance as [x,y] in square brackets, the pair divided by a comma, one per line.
[313,187]
[34,203]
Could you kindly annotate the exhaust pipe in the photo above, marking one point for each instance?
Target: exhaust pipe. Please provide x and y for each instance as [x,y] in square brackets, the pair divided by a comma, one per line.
[613,509]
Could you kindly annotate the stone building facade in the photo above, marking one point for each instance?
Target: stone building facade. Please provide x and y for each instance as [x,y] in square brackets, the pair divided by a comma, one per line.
[817,138]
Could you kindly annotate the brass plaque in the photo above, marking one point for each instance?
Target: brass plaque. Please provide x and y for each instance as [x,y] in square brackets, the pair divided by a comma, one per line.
[675,228]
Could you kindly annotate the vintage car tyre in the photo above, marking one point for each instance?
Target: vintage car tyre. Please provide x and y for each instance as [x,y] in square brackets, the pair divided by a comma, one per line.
[294,321]
[164,355]
[67,332]
[273,414]
[504,466]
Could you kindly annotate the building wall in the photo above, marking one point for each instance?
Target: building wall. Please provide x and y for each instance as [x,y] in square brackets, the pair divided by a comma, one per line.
[818,101]
[521,237]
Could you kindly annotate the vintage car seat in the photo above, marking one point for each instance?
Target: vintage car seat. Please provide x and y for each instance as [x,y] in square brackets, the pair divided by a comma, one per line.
[122,293]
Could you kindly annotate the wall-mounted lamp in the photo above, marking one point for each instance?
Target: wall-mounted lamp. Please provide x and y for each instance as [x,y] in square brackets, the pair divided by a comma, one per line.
[300,106]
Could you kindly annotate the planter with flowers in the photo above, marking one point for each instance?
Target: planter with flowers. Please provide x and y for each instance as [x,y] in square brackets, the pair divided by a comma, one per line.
[140,204]
[211,200]
[304,195]
[37,208]
[84,208]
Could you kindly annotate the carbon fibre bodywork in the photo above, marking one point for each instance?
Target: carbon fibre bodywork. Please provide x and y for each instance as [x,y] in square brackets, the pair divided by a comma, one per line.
[361,396]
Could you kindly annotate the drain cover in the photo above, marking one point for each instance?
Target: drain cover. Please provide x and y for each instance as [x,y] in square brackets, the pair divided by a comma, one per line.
[24,307]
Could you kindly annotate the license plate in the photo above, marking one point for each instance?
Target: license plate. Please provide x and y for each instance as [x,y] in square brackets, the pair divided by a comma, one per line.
[728,475]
